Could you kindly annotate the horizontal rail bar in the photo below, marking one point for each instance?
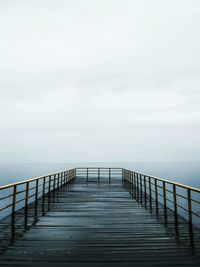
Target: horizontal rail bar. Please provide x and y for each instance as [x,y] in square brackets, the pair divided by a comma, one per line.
[195,189]
[2,198]
[31,190]
[83,168]
[158,187]
[6,207]
[29,180]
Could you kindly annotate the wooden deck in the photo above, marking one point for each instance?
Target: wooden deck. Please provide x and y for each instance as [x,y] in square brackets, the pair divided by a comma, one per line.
[91,223]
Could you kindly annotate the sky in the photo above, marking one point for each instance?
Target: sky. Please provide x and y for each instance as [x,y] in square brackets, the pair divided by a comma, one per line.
[99,80]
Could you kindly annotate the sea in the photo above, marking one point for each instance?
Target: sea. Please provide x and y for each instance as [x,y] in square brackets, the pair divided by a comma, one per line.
[185,173]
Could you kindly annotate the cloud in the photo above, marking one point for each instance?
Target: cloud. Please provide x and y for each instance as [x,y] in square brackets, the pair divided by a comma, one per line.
[99,80]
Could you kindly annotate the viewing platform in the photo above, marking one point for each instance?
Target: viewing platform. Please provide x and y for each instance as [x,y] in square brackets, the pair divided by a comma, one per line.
[99,217]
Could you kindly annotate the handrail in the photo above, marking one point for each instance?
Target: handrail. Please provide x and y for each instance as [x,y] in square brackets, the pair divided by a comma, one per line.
[147,175]
[171,182]
[143,185]
[30,180]
[28,191]
[102,168]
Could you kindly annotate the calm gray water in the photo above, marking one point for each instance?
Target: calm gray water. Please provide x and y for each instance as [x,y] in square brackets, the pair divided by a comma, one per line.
[187,173]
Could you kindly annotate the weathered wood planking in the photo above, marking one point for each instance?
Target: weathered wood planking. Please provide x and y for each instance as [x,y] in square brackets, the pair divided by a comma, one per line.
[90,223]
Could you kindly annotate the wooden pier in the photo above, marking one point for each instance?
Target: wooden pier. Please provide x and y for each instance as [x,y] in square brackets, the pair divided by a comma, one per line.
[99,217]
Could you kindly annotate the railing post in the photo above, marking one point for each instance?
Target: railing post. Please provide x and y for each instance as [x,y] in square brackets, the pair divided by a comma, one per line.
[131,183]
[26,203]
[58,181]
[36,197]
[26,197]
[175,199]
[134,184]
[164,199]
[49,184]
[189,206]
[65,178]
[156,193]
[14,204]
[141,195]
[98,174]
[109,174]
[87,174]
[43,194]
[137,178]
[54,182]
[66,175]
[145,191]
[61,179]
[49,190]
[150,193]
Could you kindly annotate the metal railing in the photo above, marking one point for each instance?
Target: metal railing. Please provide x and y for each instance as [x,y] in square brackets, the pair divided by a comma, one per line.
[21,194]
[182,199]
[98,172]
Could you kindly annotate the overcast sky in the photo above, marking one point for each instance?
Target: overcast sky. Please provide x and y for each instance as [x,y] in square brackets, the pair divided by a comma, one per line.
[102,80]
